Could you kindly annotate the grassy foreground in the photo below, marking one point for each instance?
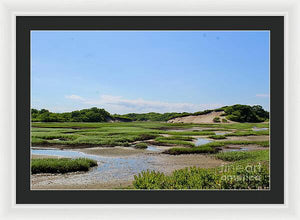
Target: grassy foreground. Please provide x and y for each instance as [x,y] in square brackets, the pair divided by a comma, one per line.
[61,165]
[249,171]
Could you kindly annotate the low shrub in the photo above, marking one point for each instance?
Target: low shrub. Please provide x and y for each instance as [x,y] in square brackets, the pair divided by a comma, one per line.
[224,120]
[217,119]
[199,178]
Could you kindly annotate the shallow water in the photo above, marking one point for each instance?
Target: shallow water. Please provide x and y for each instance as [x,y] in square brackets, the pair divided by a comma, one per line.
[63,153]
[220,133]
[201,141]
[108,167]
[235,149]
[153,148]
[259,129]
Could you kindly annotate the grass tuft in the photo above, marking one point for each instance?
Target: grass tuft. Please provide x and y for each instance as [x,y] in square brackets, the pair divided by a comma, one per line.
[193,150]
[61,165]
[141,146]
[167,141]
[217,137]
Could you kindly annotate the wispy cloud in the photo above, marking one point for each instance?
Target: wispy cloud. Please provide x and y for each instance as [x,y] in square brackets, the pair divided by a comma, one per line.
[263,95]
[75,97]
[118,104]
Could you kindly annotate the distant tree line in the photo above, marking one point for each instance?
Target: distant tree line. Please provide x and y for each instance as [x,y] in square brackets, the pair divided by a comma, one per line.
[246,113]
[84,115]
[239,113]
[151,116]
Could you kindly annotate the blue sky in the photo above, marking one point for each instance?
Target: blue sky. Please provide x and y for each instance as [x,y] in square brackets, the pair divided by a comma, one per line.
[144,71]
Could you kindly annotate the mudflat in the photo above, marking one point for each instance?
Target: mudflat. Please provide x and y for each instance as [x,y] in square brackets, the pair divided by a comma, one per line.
[121,176]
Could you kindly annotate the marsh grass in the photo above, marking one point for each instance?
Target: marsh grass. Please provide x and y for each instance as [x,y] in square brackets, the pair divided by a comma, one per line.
[244,156]
[177,137]
[141,146]
[193,150]
[217,137]
[126,133]
[199,178]
[101,136]
[149,125]
[168,141]
[236,176]
[61,165]
[234,156]
[238,142]
[194,133]
[212,147]
[248,133]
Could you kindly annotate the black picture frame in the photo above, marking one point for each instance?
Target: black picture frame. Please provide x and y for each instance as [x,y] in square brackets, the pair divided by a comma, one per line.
[24,24]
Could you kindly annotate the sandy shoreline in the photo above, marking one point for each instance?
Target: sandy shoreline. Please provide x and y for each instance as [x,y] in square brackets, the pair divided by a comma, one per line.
[34,156]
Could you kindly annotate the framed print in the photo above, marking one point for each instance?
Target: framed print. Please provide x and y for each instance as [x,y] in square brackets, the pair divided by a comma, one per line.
[150,110]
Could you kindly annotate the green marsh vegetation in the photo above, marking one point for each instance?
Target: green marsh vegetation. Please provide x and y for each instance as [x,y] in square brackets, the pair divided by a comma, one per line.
[61,165]
[212,147]
[241,133]
[115,135]
[175,140]
[127,133]
[217,137]
[198,133]
[180,136]
[204,149]
[250,170]
[141,145]
[248,133]
[248,156]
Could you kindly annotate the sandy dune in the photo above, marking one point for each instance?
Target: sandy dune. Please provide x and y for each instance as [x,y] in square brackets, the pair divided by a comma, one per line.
[207,118]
